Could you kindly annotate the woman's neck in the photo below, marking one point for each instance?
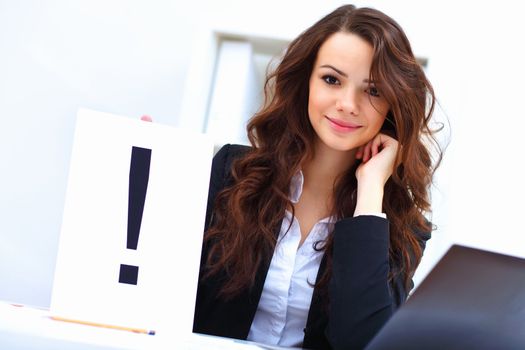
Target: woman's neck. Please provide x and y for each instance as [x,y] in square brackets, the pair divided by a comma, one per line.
[321,172]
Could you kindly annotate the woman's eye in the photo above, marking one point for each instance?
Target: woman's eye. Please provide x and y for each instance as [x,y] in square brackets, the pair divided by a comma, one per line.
[330,80]
[373,91]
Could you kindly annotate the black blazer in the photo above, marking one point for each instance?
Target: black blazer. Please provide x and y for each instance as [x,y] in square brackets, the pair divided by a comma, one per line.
[361,299]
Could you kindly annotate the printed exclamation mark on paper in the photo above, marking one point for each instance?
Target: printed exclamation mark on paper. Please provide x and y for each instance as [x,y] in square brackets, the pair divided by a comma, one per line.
[138,185]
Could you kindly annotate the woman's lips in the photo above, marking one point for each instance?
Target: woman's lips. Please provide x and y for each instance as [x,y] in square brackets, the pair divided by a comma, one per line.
[342,126]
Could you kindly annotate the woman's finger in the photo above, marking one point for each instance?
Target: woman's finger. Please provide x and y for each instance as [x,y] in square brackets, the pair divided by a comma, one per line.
[376,143]
[359,152]
[367,151]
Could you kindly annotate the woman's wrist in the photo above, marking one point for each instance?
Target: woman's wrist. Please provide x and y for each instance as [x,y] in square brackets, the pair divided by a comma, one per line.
[369,198]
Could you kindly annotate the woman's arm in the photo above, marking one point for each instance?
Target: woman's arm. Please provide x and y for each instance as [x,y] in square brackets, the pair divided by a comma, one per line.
[361,297]
[378,159]
[206,312]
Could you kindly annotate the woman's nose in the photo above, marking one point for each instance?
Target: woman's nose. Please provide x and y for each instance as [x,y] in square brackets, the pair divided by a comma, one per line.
[348,102]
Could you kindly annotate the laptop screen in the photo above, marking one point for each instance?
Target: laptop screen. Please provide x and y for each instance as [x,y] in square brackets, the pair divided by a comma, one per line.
[472,299]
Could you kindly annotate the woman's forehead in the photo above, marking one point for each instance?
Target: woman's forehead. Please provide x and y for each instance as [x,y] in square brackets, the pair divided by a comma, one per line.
[347,52]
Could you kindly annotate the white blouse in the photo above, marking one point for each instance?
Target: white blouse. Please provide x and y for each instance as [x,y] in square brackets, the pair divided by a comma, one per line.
[285,300]
[282,312]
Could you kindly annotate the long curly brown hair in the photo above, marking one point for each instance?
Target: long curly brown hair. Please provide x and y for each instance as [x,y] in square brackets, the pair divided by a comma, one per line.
[248,214]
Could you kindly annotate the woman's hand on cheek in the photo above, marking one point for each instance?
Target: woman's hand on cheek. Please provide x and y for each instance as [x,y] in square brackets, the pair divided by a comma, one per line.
[378,157]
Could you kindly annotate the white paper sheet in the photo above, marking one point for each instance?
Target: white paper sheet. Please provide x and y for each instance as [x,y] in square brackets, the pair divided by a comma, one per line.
[94,229]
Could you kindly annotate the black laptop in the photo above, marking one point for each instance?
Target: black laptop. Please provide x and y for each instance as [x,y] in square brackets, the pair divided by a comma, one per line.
[472,299]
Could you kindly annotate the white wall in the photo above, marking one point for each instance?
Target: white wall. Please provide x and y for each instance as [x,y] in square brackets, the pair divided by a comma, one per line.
[132,57]
[125,57]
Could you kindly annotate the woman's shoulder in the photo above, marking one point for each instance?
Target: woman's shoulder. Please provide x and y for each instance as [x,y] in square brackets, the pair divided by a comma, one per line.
[229,152]
[232,150]
[223,159]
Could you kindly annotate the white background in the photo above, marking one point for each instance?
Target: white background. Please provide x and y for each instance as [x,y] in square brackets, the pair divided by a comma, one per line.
[132,58]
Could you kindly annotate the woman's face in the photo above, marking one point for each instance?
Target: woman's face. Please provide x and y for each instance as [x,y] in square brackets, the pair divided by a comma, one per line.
[345,109]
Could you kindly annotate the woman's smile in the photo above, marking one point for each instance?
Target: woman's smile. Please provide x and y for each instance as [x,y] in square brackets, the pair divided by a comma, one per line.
[342,126]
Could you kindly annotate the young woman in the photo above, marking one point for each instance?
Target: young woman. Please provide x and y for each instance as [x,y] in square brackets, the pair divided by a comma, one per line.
[314,232]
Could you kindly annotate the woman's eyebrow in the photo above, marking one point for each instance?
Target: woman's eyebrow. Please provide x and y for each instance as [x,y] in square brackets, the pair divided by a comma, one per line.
[340,72]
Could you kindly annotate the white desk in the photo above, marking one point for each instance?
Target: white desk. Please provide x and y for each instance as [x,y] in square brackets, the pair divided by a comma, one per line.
[31,328]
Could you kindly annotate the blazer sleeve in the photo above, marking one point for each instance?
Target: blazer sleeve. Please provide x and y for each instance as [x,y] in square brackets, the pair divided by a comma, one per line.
[217,178]
[207,313]
[361,297]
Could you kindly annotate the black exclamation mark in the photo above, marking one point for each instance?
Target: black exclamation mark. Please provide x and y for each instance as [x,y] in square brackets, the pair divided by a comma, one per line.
[138,185]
